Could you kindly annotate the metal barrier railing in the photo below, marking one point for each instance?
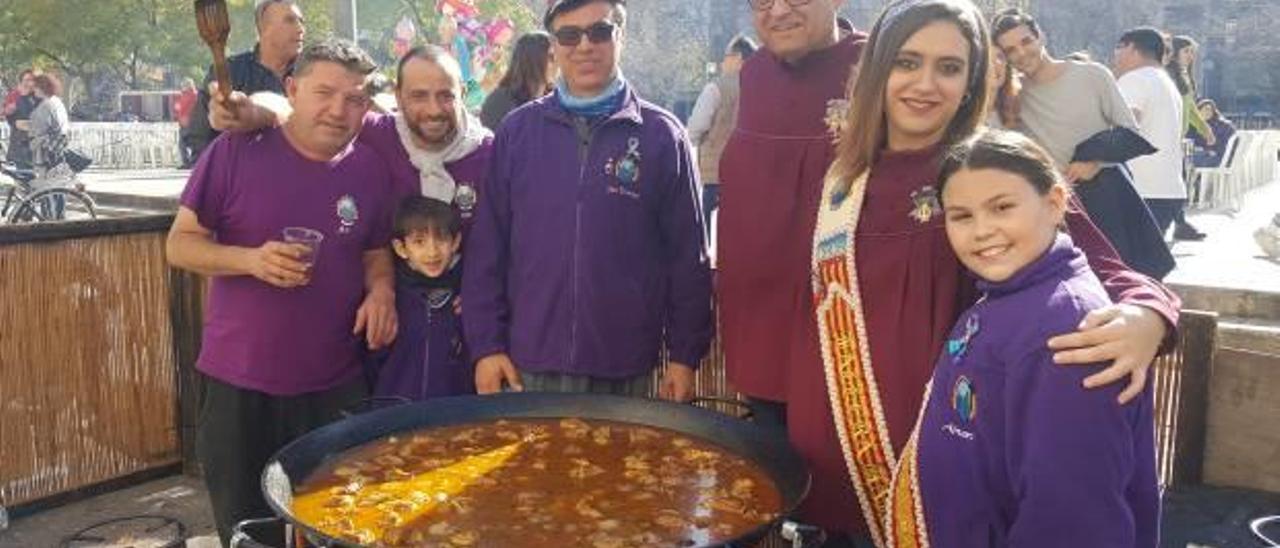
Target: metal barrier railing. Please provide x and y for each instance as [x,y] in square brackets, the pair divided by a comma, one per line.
[123,145]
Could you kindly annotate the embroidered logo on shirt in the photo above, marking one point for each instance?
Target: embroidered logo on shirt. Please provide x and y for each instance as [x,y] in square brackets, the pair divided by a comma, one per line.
[439,298]
[957,432]
[837,117]
[626,170]
[957,347]
[925,204]
[465,198]
[348,213]
[964,401]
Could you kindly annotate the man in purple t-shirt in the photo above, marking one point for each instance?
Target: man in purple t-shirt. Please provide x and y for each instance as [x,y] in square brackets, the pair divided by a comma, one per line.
[281,345]
[433,146]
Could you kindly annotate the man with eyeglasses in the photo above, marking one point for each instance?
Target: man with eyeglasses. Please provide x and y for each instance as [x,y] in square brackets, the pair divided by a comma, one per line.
[791,103]
[588,251]
[281,29]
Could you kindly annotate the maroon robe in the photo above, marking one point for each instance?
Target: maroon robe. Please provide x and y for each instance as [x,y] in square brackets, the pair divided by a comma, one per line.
[772,171]
[912,288]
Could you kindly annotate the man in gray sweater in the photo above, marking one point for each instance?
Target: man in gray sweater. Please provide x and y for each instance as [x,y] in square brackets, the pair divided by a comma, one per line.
[1062,102]
[1065,103]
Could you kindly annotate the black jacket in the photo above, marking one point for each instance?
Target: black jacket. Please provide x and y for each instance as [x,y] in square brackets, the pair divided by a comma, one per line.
[247,76]
[1115,206]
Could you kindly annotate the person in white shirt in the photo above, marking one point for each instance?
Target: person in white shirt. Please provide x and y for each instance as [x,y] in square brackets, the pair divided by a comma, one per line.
[1157,106]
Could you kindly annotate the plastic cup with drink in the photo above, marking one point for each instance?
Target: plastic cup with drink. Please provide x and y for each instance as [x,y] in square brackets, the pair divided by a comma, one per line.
[307,238]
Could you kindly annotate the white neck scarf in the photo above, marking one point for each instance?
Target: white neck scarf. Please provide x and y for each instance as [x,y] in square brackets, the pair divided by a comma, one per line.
[436,181]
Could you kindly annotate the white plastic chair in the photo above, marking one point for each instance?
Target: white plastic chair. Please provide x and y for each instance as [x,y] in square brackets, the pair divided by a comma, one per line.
[1212,180]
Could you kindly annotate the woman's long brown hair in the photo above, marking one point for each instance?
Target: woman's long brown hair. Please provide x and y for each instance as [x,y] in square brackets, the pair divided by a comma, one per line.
[865,130]
[526,76]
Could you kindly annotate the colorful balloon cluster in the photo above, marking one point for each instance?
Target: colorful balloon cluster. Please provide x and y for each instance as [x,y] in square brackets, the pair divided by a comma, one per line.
[479,45]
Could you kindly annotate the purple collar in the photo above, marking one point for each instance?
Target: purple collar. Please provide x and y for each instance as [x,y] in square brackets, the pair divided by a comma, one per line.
[1061,259]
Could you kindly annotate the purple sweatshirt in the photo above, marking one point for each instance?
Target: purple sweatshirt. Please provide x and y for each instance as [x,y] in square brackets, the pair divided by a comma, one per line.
[588,245]
[1013,451]
[427,359]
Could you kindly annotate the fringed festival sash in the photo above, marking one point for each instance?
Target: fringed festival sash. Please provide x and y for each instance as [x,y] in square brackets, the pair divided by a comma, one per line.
[905,523]
[851,381]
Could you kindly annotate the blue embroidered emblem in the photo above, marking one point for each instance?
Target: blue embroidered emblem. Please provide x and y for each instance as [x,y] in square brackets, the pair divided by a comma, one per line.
[348,213]
[465,199]
[957,347]
[964,400]
[627,170]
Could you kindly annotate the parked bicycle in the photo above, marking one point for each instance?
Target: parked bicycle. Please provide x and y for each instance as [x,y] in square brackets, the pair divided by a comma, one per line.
[57,195]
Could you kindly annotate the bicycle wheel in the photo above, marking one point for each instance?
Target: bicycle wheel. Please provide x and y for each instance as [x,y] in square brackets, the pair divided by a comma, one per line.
[54,204]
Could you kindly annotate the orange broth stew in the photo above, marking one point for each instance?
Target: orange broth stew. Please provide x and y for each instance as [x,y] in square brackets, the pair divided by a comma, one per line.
[538,483]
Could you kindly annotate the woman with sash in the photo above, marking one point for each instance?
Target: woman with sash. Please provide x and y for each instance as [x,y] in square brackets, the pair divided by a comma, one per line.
[888,286]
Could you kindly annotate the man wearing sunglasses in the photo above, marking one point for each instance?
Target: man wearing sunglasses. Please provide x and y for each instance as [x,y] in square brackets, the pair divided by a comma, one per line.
[588,253]
[772,170]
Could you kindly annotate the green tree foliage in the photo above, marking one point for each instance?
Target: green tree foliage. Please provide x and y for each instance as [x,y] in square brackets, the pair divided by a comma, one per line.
[103,46]
[152,44]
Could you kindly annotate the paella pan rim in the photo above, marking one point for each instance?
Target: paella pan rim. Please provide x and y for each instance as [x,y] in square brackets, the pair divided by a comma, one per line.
[766,448]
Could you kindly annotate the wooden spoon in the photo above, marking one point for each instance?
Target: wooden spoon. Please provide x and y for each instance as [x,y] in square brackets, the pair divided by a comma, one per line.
[215,26]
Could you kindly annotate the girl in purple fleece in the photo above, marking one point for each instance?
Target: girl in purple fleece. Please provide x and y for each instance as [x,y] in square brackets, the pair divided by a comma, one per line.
[1010,449]
[427,359]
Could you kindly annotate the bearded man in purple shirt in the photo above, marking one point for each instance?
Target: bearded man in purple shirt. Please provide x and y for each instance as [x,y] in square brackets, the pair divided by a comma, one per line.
[432,146]
[284,324]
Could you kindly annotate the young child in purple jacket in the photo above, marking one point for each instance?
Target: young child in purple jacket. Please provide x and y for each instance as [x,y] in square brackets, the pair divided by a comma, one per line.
[427,359]
[1011,449]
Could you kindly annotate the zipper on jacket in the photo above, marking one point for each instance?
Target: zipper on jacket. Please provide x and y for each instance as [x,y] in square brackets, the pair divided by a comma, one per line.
[585,133]
[426,354]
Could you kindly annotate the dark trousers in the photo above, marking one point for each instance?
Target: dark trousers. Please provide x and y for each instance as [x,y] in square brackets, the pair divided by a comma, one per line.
[1180,218]
[19,151]
[185,148]
[1164,211]
[239,430]
[710,202]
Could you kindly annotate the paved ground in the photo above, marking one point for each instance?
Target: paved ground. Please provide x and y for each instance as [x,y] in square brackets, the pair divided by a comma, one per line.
[1228,258]
[138,190]
[177,497]
[150,182]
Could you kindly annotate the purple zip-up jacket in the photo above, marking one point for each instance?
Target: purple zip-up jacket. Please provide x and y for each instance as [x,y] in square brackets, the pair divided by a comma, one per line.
[588,245]
[1013,451]
[427,359]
